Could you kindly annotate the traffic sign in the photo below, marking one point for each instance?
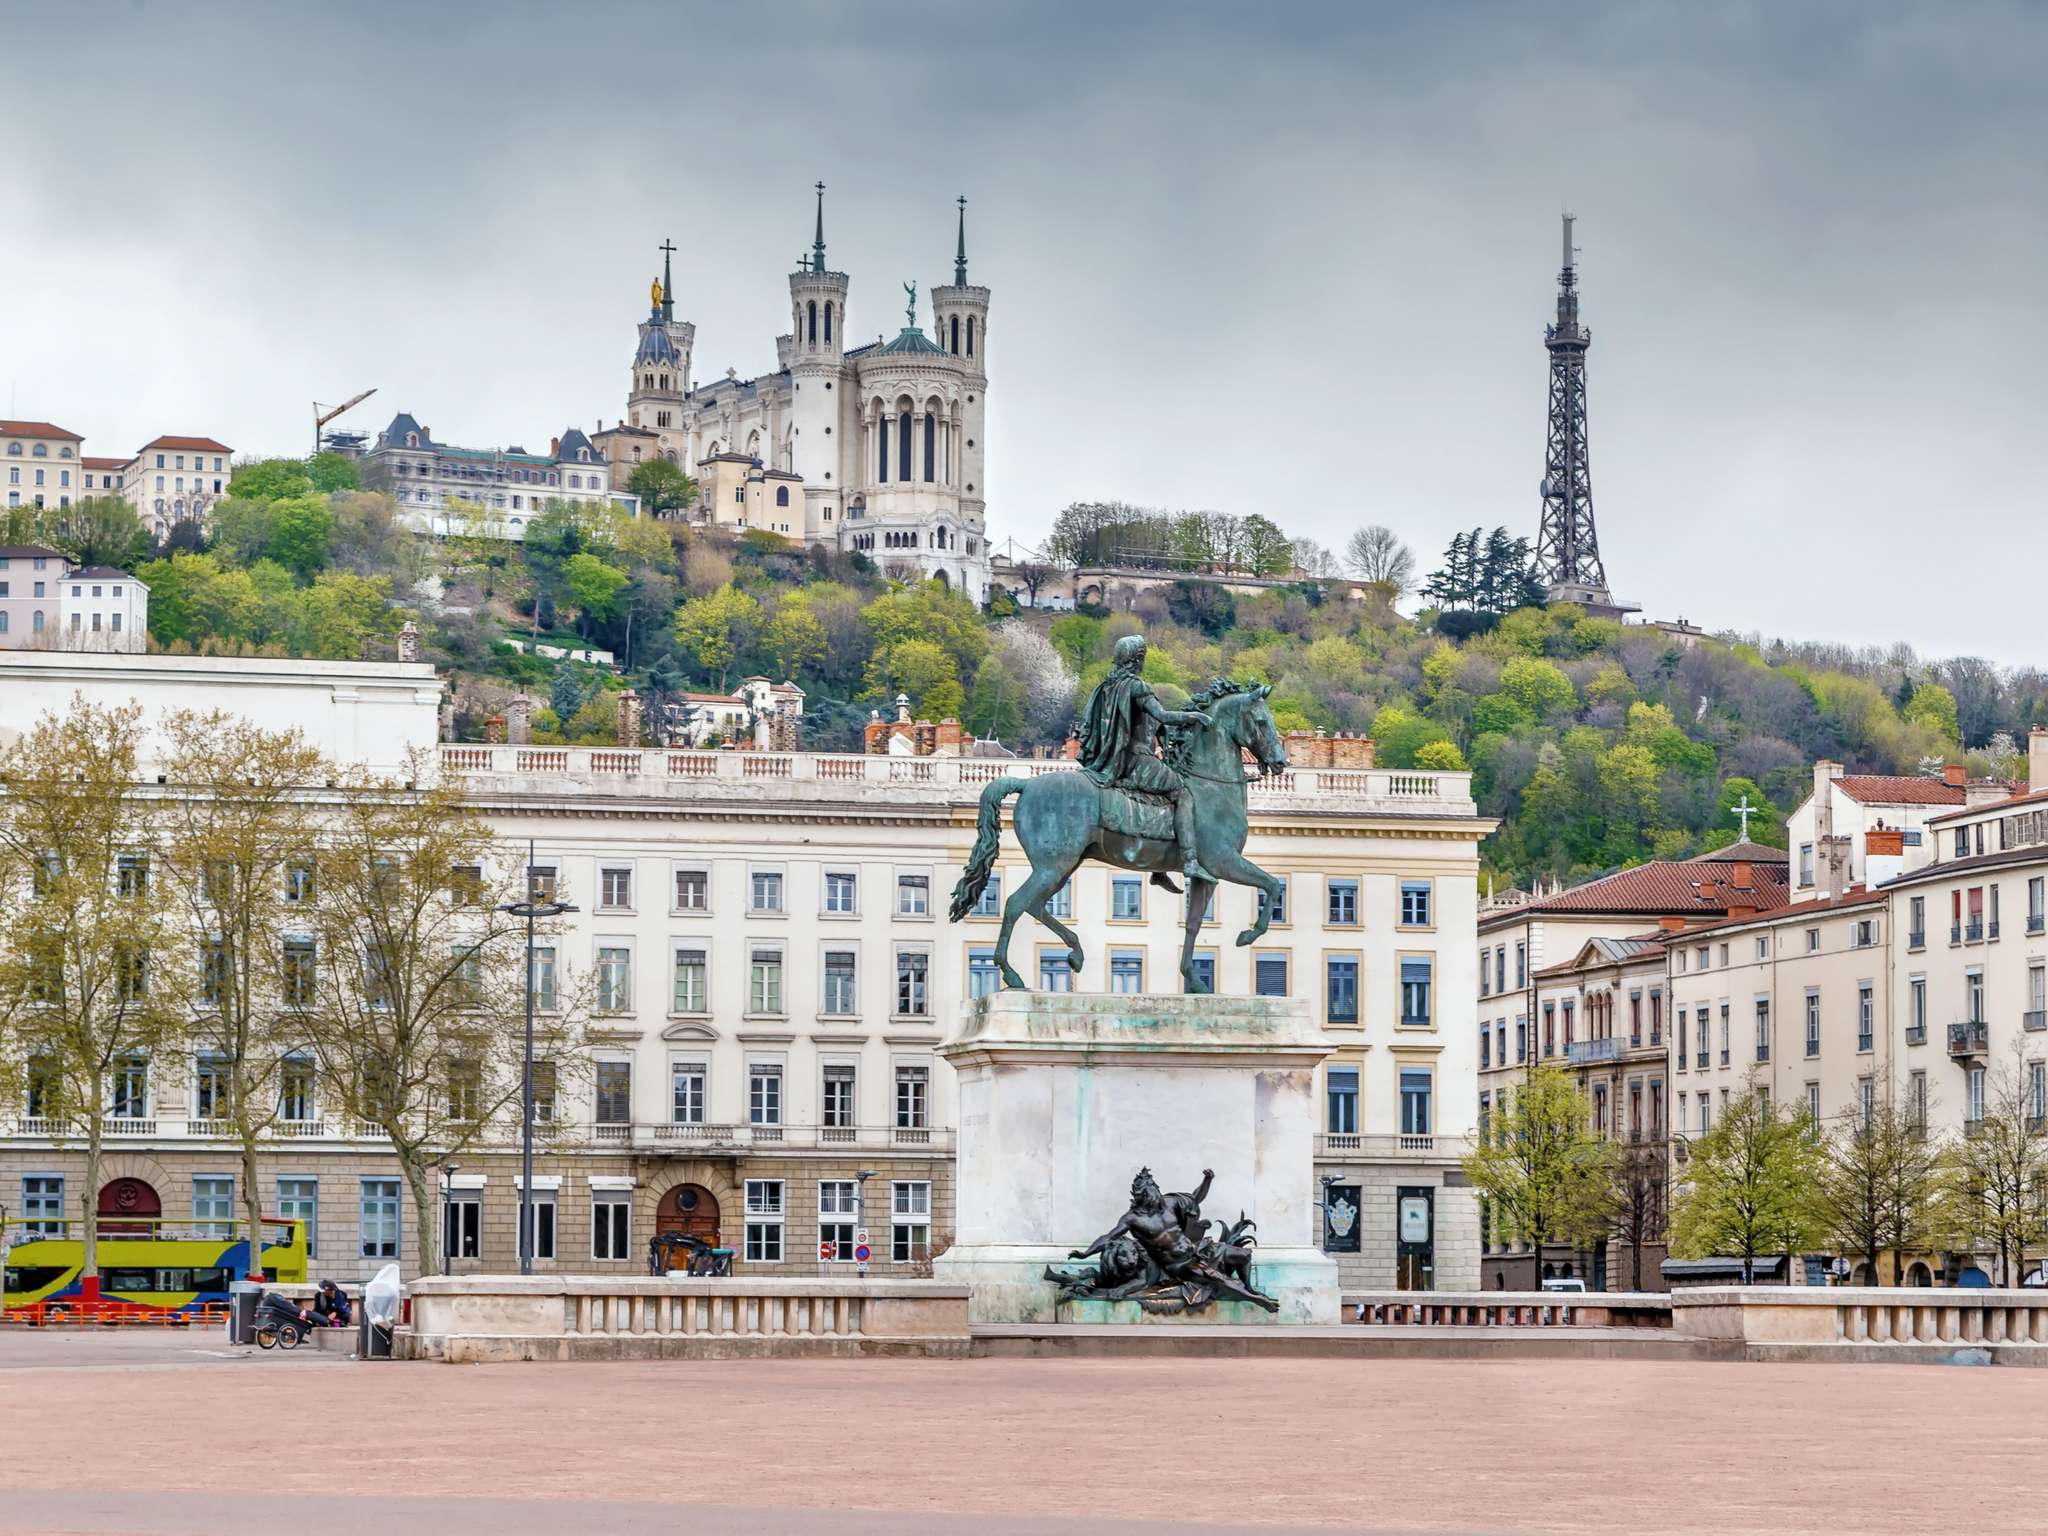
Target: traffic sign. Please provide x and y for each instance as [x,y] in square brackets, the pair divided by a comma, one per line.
[861,1236]
[828,1251]
[860,1253]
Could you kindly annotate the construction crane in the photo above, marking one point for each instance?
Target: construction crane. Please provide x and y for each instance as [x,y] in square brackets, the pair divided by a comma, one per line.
[323,414]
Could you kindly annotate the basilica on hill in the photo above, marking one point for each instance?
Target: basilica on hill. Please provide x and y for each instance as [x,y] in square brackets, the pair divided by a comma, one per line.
[878,447]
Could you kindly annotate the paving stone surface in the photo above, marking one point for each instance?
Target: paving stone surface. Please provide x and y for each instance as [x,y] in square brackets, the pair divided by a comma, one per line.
[145,1443]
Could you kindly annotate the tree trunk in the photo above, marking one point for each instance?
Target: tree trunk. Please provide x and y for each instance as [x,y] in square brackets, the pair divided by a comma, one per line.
[424,1211]
[89,1266]
[252,1206]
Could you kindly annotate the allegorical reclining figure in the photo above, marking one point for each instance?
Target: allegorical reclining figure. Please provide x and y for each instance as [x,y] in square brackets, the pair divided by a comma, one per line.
[1160,1254]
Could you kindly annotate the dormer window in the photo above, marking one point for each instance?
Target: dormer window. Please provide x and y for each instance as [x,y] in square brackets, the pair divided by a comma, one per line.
[42,450]
[412,439]
[64,452]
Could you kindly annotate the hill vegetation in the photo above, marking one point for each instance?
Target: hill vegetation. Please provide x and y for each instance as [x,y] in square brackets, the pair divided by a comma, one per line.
[1597,744]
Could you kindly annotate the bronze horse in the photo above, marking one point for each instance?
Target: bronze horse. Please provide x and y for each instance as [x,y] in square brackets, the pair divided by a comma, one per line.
[1063,819]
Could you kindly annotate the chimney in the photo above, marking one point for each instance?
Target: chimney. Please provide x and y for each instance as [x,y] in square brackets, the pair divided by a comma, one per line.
[2037,758]
[554,447]
[409,641]
[519,721]
[875,734]
[629,719]
[1739,875]
[1956,776]
[494,730]
[903,709]
[1072,750]
[1825,772]
[950,738]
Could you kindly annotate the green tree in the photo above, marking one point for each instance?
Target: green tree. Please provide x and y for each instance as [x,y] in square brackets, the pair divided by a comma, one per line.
[90,974]
[1441,755]
[1935,707]
[2000,1175]
[661,487]
[995,705]
[924,670]
[271,480]
[1749,1185]
[1546,1177]
[715,628]
[300,527]
[97,530]
[1267,550]
[332,472]
[1537,685]
[594,588]
[1078,639]
[795,636]
[1879,1184]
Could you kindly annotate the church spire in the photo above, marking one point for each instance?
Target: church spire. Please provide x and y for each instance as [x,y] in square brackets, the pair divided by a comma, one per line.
[960,254]
[818,240]
[668,283]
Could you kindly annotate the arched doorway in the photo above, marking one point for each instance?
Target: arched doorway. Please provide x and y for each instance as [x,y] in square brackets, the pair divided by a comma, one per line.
[689,1210]
[1919,1274]
[133,1199]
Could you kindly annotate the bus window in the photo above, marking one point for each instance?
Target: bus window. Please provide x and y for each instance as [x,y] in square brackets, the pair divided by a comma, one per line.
[33,1277]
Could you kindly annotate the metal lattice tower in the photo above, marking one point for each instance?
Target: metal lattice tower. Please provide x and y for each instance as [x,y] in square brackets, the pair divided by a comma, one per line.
[1568,547]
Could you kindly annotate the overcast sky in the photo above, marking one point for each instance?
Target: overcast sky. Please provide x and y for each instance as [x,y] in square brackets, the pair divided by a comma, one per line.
[1283,259]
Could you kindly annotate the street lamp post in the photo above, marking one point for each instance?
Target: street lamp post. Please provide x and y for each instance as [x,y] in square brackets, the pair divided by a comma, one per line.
[529,909]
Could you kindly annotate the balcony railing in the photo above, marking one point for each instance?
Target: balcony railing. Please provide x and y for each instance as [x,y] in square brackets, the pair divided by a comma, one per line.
[1969,1038]
[1973,931]
[1917,939]
[2034,922]
[1955,933]
[1585,1052]
[1916,1034]
[1336,1144]
[2035,1018]
[128,1125]
[700,1136]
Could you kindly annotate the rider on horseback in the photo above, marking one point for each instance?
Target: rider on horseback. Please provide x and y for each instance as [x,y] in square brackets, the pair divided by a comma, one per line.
[1119,733]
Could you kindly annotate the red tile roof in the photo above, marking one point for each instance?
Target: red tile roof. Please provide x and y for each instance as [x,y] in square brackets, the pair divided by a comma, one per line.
[1899,789]
[1691,888]
[1794,910]
[2019,796]
[36,429]
[202,444]
[95,463]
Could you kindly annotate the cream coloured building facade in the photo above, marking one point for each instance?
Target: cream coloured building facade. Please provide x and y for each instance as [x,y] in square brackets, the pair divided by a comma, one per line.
[878,447]
[775,972]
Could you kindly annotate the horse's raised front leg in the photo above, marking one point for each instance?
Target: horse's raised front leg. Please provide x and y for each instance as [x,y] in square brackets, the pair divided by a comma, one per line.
[1031,897]
[1230,864]
[1199,894]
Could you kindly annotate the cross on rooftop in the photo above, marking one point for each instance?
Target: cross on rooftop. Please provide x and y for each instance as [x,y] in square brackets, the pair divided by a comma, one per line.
[1745,810]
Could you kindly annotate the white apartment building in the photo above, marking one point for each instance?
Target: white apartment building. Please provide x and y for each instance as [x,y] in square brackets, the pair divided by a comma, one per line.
[42,464]
[775,971]
[1828,830]
[176,479]
[47,603]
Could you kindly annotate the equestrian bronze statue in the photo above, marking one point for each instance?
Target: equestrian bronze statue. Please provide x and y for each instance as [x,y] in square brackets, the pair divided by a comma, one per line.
[1136,808]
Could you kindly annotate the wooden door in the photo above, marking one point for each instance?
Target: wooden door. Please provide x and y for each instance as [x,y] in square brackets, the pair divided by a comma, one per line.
[134,1199]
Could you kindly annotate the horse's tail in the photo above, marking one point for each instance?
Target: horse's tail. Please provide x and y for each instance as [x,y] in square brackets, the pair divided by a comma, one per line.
[988,841]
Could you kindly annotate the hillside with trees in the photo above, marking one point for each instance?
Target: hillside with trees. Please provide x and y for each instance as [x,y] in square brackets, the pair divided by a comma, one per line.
[1597,744]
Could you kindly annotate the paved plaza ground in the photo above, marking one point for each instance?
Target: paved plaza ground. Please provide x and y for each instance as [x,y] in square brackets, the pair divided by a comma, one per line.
[178,1435]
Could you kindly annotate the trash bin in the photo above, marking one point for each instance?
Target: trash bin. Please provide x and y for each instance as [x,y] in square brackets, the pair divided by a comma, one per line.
[243,1295]
[373,1339]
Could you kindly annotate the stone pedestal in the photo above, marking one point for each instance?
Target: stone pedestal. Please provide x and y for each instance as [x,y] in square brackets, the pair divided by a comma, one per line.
[1064,1096]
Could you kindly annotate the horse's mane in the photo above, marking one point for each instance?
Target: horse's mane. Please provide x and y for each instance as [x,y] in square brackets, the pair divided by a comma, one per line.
[1180,739]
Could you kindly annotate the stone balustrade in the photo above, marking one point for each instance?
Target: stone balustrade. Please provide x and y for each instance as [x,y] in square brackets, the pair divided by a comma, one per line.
[1825,1320]
[658,770]
[1509,1309]
[469,1318]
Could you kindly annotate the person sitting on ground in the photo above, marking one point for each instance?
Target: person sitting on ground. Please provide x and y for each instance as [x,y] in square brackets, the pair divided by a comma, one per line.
[330,1305]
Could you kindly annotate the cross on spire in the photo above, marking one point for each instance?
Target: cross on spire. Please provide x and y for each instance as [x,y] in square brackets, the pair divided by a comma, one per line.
[1745,810]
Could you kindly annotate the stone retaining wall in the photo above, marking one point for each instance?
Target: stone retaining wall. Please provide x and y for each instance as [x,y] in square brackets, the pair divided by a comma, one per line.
[471,1318]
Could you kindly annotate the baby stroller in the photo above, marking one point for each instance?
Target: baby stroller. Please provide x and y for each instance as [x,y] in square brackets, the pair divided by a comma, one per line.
[279,1324]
